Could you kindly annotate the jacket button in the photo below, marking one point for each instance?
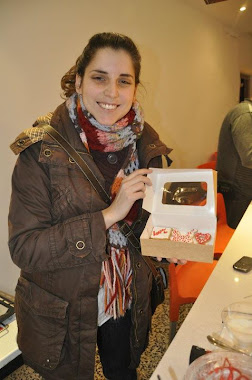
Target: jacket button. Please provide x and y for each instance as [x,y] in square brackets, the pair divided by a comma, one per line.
[112,158]
[47,152]
[80,245]
[71,160]
[141,311]
[21,142]
[152,145]
[138,265]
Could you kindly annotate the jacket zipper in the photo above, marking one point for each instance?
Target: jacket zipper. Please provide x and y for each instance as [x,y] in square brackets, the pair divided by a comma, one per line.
[135,305]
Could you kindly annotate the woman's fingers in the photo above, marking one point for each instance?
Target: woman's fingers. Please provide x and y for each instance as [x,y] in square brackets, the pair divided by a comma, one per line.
[137,176]
[172,260]
[140,178]
[132,189]
[182,261]
[177,261]
[139,172]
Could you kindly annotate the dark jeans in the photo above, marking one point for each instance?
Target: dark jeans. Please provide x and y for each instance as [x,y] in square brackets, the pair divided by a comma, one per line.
[235,209]
[113,340]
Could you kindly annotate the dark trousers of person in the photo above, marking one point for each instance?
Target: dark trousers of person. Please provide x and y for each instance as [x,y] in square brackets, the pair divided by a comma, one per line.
[113,340]
[236,207]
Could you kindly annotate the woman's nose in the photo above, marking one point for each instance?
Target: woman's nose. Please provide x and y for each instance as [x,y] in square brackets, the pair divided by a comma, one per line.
[111,90]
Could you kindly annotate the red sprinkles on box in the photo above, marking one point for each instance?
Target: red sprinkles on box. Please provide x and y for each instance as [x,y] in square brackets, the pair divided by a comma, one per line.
[176,235]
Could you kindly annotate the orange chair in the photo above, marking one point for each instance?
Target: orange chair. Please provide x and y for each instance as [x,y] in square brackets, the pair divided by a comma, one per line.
[185,283]
[210,164]
[207,165]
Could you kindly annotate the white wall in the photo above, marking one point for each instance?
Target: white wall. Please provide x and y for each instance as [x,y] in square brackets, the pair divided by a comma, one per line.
[190,72]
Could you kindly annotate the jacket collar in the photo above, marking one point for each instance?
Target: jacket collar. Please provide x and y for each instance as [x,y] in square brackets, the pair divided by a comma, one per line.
[150,146]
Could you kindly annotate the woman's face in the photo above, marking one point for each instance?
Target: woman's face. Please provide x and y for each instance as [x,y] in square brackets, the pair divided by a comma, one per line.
[108,86]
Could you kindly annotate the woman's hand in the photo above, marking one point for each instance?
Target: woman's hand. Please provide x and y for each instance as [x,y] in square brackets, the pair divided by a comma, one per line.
[132,188]
[173,260]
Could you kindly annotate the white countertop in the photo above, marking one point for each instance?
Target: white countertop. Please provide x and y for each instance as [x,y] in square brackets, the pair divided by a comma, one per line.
[224,286]
[8,342]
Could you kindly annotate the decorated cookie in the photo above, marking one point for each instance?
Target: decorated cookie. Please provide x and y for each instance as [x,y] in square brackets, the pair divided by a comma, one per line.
[201,238]
[187,237]
[160,233]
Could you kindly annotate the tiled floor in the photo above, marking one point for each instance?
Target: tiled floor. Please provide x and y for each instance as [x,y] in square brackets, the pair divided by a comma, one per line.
[159,341]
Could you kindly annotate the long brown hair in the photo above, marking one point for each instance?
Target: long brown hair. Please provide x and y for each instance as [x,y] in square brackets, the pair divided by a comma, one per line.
[115,41]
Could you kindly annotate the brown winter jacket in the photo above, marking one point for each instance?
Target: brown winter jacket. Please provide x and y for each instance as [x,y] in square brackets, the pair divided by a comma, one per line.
[57,237]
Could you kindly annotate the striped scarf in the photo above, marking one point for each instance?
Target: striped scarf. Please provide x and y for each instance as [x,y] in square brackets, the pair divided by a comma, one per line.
[116,276]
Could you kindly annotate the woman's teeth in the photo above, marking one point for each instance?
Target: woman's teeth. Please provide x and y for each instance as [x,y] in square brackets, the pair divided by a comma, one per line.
[108,106]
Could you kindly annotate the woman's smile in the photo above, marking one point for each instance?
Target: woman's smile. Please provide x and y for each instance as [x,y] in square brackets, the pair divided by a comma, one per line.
[108,106]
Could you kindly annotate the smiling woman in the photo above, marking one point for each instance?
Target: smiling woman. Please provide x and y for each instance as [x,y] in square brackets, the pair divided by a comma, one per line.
[82,282]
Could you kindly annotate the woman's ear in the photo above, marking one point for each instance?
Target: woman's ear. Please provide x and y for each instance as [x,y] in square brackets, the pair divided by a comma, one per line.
[78,81]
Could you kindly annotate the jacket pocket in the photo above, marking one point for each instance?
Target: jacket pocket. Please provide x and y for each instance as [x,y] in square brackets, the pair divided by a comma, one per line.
[42,324]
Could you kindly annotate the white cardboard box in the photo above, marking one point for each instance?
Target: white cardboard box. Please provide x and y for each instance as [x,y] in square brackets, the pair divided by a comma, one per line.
[180,216]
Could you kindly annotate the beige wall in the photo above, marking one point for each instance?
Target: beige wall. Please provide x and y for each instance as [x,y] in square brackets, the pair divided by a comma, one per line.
[245,54]
[190,74]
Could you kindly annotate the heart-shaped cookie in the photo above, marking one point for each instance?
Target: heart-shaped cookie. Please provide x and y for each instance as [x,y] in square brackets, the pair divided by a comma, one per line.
[202,238]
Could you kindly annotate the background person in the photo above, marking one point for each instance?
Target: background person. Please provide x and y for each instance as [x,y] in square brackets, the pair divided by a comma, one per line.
[234,161]
[80,282]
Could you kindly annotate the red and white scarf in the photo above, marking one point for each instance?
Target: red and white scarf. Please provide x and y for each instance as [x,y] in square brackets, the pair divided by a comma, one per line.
[116,274]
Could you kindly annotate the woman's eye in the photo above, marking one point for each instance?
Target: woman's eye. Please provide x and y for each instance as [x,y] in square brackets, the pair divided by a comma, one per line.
[99,78]
[124,82]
